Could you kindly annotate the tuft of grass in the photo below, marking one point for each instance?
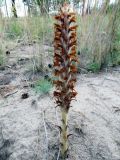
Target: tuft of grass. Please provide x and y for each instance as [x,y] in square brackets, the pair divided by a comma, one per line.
[14,29]
[115,58]
[30,28]
[93,67]
[115,52]
[39,28]
[43,86]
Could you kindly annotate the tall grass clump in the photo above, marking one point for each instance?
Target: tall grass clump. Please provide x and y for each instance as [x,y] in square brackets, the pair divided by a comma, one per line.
[39,28]
[96,36]
[93,39]
[14,29]
[115,37]
[30,28]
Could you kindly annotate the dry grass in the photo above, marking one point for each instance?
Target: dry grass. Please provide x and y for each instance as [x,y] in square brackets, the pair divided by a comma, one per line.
[94,36]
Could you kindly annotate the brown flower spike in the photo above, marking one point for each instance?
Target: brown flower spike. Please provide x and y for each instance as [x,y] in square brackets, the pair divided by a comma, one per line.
[65,66]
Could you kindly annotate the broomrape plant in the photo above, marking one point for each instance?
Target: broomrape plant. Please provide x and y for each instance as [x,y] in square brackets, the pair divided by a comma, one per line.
[65,67]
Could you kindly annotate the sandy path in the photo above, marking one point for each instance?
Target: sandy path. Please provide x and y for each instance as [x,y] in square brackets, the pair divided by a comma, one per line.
[94,121]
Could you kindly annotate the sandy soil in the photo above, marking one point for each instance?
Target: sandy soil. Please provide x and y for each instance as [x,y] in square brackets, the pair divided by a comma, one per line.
[28,127]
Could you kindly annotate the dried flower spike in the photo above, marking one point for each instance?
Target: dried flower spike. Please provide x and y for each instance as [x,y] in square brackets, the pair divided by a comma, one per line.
[65,67]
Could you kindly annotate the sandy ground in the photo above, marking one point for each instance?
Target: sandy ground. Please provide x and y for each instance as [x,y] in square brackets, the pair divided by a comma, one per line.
[28,127]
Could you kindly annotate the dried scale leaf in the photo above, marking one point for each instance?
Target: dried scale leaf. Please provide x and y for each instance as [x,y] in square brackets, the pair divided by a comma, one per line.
[65,66]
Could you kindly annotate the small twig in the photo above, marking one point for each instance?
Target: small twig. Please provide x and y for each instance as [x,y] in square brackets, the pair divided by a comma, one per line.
[46,134]
[10,94]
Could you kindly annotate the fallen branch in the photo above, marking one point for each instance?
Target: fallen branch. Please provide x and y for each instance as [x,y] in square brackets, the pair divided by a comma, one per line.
[10,94]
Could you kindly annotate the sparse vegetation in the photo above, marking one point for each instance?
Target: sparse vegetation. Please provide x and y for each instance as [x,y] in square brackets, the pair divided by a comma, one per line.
[94,35]
[43,86]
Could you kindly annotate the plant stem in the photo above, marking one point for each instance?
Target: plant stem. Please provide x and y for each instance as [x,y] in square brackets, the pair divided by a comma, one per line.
[64,132]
